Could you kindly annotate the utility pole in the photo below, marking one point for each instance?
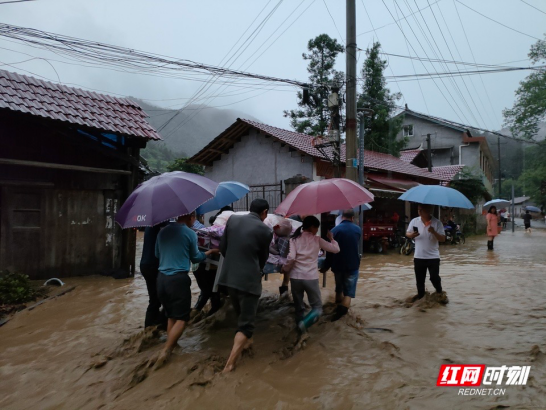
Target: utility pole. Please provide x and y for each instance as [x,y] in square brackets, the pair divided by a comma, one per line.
[499,159]
[334,105]
[429,154]
[350,128]
[513,210]
[364,112]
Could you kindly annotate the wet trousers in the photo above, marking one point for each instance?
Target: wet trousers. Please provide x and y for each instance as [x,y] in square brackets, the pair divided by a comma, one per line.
[421,266]
[312,288]
[205,281]
[153,314]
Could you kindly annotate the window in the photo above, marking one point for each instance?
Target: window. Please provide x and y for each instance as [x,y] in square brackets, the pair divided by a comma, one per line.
[408,130]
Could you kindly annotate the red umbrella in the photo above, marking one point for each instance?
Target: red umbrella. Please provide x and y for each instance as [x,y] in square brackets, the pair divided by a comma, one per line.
[324,196]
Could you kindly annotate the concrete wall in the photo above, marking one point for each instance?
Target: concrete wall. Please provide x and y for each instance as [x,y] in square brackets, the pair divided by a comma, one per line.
[441,137]
[257,160]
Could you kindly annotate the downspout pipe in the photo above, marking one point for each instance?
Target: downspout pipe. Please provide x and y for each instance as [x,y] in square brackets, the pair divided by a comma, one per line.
[461,153]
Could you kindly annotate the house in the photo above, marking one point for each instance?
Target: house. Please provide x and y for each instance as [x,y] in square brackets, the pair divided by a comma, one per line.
[451,144]
[69,159]
[272,161]
[418,158]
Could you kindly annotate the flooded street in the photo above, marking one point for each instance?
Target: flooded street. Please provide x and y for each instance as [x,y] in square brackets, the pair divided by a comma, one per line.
[87,349]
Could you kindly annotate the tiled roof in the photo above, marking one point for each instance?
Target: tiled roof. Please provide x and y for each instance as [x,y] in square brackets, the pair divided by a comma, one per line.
[409,155]
[448,172]
[103,112]
[303,143]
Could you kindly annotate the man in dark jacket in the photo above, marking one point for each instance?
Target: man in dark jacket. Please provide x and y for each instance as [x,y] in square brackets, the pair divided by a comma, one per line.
[245,247]
[346,263]
[149,267]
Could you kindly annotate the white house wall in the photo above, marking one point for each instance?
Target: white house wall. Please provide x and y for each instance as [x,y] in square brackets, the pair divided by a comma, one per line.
[258,160]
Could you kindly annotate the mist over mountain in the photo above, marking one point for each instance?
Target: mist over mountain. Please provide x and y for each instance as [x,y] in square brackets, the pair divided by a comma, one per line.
[187,131]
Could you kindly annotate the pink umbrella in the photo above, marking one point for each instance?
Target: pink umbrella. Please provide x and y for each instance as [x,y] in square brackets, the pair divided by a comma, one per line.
[324,196]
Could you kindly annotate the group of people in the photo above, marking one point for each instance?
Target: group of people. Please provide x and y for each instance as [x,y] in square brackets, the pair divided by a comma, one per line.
[246,245]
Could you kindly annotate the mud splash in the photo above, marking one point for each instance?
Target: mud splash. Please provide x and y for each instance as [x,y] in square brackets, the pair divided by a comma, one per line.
[87,350]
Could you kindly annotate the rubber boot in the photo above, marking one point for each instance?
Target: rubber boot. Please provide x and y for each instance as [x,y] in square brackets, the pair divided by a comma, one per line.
[492,242]
[309,320]
[283,289]
[340,312]
[490,245]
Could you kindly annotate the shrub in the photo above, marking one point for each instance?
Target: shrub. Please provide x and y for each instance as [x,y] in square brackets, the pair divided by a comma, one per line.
[16,288]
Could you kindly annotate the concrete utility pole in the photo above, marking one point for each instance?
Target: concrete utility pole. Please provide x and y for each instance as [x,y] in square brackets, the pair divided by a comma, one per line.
[498,145]
[429,154]
[351,92]
[513,210]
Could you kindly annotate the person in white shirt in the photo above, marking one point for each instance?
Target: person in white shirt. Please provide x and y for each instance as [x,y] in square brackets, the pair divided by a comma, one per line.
[428,232]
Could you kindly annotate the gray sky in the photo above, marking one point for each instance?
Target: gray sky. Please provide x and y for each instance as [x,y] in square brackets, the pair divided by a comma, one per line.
[204,31]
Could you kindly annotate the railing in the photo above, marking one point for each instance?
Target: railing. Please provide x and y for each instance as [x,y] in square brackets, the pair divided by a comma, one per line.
[272,193]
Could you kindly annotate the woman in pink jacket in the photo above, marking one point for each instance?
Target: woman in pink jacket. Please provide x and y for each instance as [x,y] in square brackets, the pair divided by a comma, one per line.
[492,226]
[302,264]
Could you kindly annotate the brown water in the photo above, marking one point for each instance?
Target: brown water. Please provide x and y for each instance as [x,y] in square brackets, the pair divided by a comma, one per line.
[87,349]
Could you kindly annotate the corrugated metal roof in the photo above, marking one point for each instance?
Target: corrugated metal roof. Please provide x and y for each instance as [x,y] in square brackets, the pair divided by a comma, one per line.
[58,102]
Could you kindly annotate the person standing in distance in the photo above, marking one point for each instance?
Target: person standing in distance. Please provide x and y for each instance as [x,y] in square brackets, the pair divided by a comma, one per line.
[428,232]
[245,247]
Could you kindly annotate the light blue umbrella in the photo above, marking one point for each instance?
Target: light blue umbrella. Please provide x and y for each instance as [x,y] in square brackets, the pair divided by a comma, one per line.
[499,203]
[532,209]
[227,193]
[437,195]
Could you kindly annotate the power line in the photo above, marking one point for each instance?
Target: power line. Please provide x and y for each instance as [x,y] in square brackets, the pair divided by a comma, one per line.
[473,57]
[340,36]
[388,63]
[530,5]
[451,54]
[397,20]
[460,57]
[417,38]
[413,67]
[14,1]
[495,21]
[451,78]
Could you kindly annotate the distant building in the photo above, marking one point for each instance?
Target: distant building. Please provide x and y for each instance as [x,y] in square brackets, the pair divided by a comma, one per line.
[273,161]
[452,144]
[69,159]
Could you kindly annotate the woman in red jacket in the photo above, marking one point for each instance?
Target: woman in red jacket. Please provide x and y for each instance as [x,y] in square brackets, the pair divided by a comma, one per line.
[492,226]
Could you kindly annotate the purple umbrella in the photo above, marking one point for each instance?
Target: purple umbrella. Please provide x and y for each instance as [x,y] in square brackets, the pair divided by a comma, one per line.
[164,197]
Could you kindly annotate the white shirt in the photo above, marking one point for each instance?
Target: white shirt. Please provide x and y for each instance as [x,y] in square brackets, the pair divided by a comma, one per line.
[426,244]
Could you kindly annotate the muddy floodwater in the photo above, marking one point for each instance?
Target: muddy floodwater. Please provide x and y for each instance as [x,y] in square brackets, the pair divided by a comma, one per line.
[88,350]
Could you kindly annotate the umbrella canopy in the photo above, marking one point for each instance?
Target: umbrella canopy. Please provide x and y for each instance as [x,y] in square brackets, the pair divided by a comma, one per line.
[499,203]
[437,195]
[532,209]
[227,193]
[324,196]
[164,197]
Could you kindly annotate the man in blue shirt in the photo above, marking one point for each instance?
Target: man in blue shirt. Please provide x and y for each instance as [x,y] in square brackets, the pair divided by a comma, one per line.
[176,248]
[346,263]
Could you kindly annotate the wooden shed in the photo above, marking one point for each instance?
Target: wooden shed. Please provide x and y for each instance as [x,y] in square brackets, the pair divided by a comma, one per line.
[68,160]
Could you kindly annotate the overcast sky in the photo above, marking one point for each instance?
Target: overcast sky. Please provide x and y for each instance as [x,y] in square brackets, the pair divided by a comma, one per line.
[205,30]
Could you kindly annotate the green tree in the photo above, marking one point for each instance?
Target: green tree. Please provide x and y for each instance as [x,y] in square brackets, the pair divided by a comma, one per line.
[314,118]
[470,185]
[181,164]
[530,105]
[382,127]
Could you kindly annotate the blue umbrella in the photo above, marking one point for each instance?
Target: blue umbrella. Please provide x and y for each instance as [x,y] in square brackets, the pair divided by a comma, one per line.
[227,193]
[437,195]
[499,203]
[532,209]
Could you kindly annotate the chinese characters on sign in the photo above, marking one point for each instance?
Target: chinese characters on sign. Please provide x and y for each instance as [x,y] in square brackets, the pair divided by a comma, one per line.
[470,375]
